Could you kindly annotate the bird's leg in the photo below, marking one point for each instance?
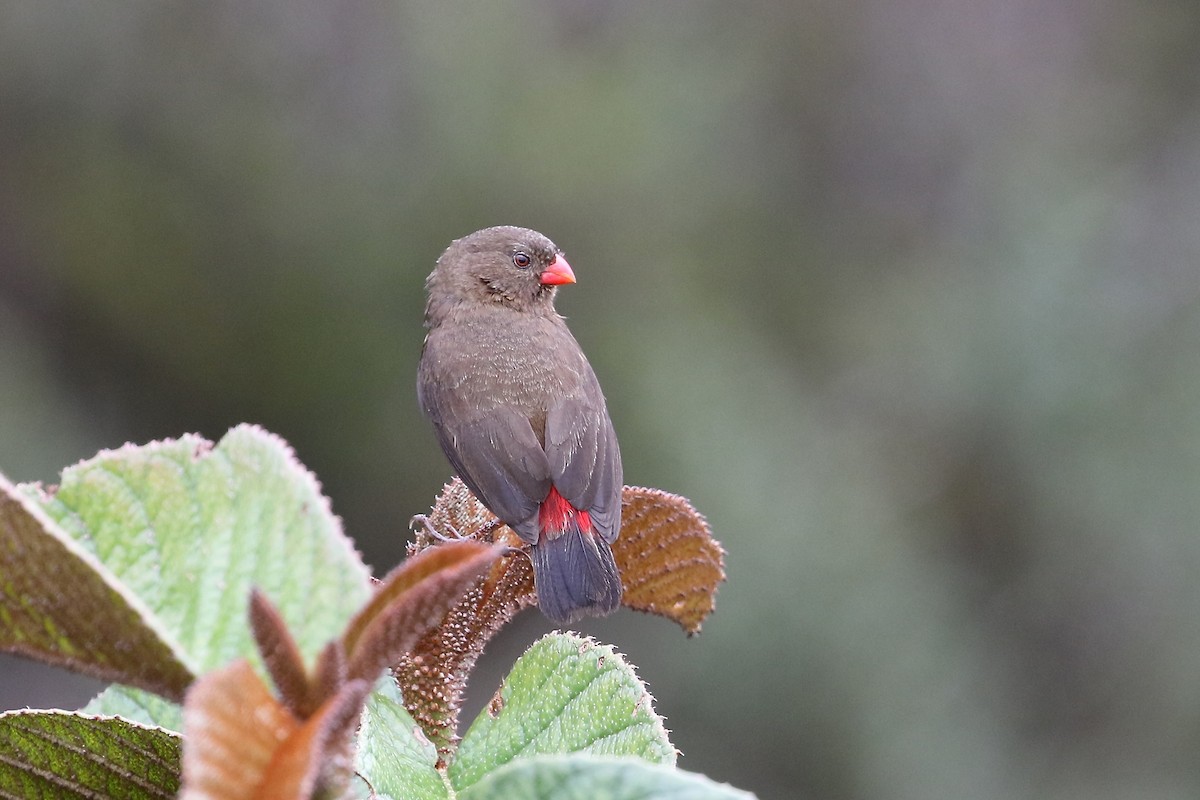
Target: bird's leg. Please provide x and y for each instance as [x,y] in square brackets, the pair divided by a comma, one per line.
[488,531]
[422,521]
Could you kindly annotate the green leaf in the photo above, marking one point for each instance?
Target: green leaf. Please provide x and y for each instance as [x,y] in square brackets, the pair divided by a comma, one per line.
[190,527]
[566,694]
[137,706]
[60,605]
[393,754]
[587,777]
[66,755]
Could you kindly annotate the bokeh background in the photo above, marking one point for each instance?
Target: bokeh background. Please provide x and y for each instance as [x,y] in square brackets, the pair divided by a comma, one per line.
[903,294]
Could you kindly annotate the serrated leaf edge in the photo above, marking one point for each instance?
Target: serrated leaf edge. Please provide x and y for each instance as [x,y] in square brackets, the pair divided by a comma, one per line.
[604,652]
[59,712]
[52,528]
[628,762]
[310,479]
[580,643]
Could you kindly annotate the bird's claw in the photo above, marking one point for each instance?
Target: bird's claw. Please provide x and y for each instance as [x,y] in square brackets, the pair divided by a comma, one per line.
[423,522]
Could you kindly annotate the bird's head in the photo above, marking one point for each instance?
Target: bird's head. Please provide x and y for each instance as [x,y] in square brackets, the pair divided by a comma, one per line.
[513,266]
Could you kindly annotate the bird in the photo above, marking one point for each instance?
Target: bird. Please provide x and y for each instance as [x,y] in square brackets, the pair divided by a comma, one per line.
[520,415]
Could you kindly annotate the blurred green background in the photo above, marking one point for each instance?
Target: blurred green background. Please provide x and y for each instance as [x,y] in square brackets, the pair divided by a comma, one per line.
[905,296]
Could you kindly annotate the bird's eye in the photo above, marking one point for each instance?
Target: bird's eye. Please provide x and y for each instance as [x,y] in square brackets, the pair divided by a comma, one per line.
[522,260]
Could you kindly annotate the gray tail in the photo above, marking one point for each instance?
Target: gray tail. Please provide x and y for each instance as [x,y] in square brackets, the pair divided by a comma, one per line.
[575,575]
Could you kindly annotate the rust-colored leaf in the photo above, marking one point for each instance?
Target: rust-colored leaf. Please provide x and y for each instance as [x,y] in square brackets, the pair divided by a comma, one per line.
[328,676]
[233,727]
[412,598]
[433,676]
[300,691]
[242,744]
[280,654]
[670,563]
[319,753]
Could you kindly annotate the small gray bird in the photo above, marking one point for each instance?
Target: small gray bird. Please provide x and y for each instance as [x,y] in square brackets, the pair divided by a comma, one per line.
[520,415]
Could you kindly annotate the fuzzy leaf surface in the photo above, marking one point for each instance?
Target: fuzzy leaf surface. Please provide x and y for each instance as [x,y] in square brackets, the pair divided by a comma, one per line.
[136,705]
[393,753]
[670,565]
[669,561]
[68,755]
[566,694]
[316,760]
[413,597]
[234,730]
[434,674]
[243,744]
[587,777]
[189,527]
[60,605]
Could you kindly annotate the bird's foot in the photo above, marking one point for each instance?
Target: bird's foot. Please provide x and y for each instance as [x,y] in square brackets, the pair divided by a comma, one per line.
[422,522]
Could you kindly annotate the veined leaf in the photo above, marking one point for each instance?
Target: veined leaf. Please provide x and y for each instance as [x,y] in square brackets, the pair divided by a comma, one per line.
[394,754]
[138,567]
[566,694]
[587,777]
[60,605]
[68,755]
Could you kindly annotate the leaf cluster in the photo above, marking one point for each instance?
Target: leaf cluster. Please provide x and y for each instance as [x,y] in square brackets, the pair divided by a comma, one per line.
[216,576]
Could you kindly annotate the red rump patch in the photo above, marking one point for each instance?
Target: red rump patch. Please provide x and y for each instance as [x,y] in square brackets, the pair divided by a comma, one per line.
[556,512]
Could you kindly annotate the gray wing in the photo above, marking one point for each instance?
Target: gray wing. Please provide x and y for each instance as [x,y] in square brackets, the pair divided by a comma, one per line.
[584,459]
[495,452]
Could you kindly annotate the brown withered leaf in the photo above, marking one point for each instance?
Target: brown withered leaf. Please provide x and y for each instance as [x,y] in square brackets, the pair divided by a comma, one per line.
[243,744]
[669,561]
[233,728]
[319,753]
[280,654]
[327,677]
[413,597]
[670,565]
[433,677]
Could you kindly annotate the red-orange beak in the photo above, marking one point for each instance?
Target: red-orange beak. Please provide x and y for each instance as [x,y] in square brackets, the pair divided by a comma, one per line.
[558,273]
